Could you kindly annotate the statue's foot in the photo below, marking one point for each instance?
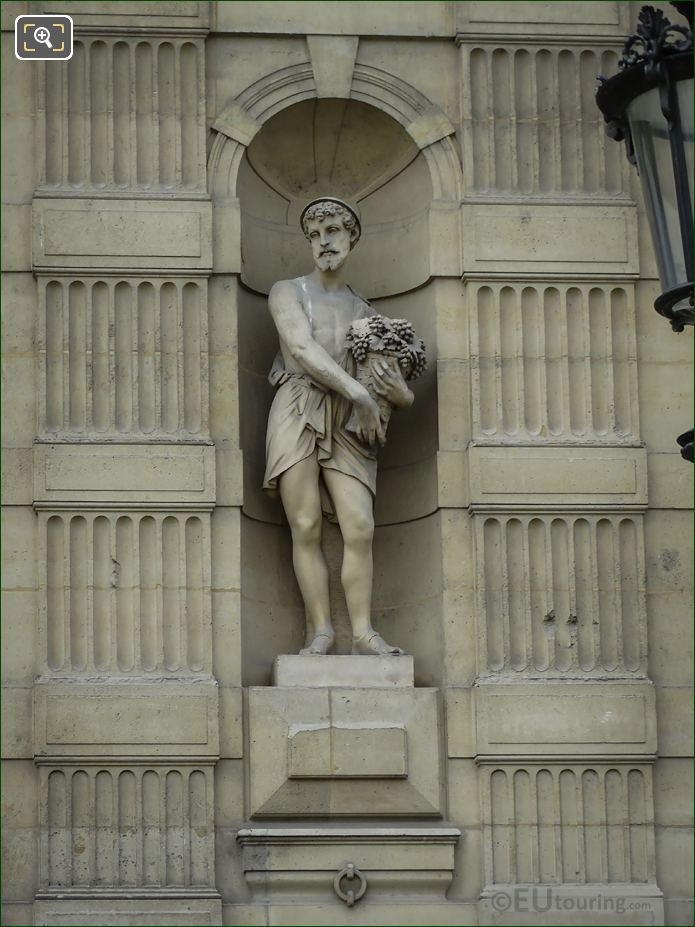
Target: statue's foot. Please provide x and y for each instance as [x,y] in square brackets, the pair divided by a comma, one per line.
[373,644]
[321,644]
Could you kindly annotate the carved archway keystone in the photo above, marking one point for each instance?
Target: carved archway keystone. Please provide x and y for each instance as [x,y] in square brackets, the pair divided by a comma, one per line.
[333,62]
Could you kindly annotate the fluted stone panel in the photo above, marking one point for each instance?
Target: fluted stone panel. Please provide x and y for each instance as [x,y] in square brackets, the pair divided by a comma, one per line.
[124,358]
[568,824]
[125,593]
[531,123]
[126,828]
[126,115]
[561,594]
[553,362]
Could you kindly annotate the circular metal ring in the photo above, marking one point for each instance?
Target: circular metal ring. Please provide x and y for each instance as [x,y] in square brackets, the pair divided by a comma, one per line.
[350,872]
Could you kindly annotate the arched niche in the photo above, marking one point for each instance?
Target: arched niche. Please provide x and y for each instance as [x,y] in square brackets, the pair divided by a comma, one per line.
[361,154]
[387,149]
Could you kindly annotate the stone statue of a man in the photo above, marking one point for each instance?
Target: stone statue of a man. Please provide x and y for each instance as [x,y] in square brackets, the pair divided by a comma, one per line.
[314,461]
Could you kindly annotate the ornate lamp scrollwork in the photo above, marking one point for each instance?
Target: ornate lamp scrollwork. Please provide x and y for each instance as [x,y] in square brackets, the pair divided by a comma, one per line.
[655,37]
[352,874]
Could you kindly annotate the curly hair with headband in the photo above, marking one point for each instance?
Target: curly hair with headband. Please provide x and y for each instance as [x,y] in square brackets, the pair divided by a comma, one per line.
[329,208]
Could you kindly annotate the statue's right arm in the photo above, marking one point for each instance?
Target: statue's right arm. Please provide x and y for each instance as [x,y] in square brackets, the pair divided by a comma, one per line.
[295,334]
[296,338]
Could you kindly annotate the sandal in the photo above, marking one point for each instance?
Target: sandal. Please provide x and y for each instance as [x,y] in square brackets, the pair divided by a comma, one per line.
[319,649]
[373,644]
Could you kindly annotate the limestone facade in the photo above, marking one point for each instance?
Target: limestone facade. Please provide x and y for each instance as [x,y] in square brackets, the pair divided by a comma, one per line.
[533,529]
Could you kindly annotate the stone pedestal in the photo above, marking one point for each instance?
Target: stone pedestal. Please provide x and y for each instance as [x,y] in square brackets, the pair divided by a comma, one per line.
[327,751]
[342,737]
[311,672]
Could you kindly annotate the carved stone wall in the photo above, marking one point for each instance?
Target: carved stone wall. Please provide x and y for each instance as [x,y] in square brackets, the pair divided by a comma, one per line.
[532,541]
[125,707]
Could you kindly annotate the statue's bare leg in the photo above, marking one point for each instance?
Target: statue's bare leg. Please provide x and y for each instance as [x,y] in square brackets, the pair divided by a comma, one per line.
[354,508]
[299,491]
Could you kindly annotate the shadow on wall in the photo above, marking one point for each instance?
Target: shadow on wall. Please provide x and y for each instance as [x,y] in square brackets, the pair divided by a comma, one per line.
[359,153]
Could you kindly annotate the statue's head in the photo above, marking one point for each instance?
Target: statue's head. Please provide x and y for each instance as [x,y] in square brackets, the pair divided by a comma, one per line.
[332,228]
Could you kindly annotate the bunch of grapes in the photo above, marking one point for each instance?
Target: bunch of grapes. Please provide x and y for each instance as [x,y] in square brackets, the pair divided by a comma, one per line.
[412,360]
[391,340]
[419,360]
[396,336]
[404,329]
[359,339]
[360,347]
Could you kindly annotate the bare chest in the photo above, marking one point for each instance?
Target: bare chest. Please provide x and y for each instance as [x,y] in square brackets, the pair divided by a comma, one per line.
[331,317]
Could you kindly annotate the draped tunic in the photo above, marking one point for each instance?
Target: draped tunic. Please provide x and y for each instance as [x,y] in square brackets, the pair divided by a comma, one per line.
[306,416]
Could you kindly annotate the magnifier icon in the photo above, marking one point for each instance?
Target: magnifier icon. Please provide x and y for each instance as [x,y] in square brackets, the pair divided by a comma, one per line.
[41,34]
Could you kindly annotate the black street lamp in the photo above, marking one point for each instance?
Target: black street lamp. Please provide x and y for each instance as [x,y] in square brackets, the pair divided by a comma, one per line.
[649,105]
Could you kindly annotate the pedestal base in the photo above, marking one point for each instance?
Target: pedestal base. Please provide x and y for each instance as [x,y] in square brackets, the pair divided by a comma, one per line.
[311,672]
[336,751]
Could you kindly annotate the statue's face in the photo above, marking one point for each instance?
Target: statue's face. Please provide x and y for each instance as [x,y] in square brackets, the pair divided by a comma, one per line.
[330,242]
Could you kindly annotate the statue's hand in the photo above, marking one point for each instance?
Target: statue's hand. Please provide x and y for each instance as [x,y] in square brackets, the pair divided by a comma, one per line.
[390,385]
[370,427]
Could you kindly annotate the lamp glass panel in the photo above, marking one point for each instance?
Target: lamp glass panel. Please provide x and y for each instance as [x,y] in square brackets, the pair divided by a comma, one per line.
[653,151]
[686,105]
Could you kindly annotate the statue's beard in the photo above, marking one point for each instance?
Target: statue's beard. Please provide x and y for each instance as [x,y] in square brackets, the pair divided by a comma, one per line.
[330,261]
